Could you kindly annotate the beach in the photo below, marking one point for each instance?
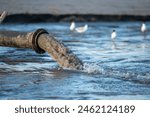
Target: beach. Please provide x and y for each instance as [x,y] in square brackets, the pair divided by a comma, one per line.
[58,7]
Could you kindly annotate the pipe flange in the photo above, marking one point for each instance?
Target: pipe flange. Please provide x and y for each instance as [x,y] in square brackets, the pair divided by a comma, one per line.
[35,37]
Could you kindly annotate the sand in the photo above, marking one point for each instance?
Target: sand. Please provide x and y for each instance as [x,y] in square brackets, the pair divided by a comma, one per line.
[108,7]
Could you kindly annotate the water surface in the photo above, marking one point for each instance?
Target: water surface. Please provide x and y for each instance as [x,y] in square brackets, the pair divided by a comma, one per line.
[112,70]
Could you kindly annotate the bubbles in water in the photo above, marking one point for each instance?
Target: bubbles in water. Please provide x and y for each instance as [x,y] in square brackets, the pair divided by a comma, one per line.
[92,68]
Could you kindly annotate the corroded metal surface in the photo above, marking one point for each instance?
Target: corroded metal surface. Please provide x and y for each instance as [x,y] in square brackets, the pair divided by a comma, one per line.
[60,53]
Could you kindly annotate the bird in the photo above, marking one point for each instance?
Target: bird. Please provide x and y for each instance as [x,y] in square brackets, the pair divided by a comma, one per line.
[82,29]
[113,35]
[72,26]
[143,28]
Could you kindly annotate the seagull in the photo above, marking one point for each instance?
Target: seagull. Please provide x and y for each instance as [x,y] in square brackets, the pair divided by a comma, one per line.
[72,26]
[143,28]
[113,35]
[81,29]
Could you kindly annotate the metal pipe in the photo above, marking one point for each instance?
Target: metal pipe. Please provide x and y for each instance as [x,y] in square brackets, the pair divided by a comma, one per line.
[41,42]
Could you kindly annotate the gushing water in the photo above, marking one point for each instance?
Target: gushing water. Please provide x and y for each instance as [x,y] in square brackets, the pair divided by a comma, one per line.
[92,68]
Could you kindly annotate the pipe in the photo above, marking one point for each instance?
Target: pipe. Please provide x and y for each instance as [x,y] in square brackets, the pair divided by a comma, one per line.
[41,41]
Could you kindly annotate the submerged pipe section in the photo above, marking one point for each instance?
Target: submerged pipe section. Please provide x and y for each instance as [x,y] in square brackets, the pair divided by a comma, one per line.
[41,41]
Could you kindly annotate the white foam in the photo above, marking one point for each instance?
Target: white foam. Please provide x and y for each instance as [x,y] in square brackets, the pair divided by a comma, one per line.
[92,68]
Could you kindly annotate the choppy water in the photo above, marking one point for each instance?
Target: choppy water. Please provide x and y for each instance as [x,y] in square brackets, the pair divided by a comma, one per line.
[113,70]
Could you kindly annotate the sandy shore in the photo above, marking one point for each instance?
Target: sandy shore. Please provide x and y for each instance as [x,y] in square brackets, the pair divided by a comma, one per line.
[103,7]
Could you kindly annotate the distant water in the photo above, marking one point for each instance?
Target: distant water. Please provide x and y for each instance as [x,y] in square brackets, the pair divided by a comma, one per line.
[112,70]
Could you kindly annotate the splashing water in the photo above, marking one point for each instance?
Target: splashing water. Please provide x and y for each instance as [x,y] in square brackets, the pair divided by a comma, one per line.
[92,68]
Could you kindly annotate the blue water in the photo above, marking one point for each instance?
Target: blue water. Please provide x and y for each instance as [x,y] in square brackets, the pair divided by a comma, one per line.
[112,70]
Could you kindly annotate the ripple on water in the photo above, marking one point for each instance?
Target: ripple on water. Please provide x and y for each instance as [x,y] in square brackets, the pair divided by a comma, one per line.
[112,70]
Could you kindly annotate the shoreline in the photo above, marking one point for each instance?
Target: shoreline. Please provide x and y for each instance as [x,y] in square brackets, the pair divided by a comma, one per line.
[22,11]
[39,18]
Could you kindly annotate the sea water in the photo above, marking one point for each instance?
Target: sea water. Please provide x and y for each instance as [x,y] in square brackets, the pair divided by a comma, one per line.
[117,69]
